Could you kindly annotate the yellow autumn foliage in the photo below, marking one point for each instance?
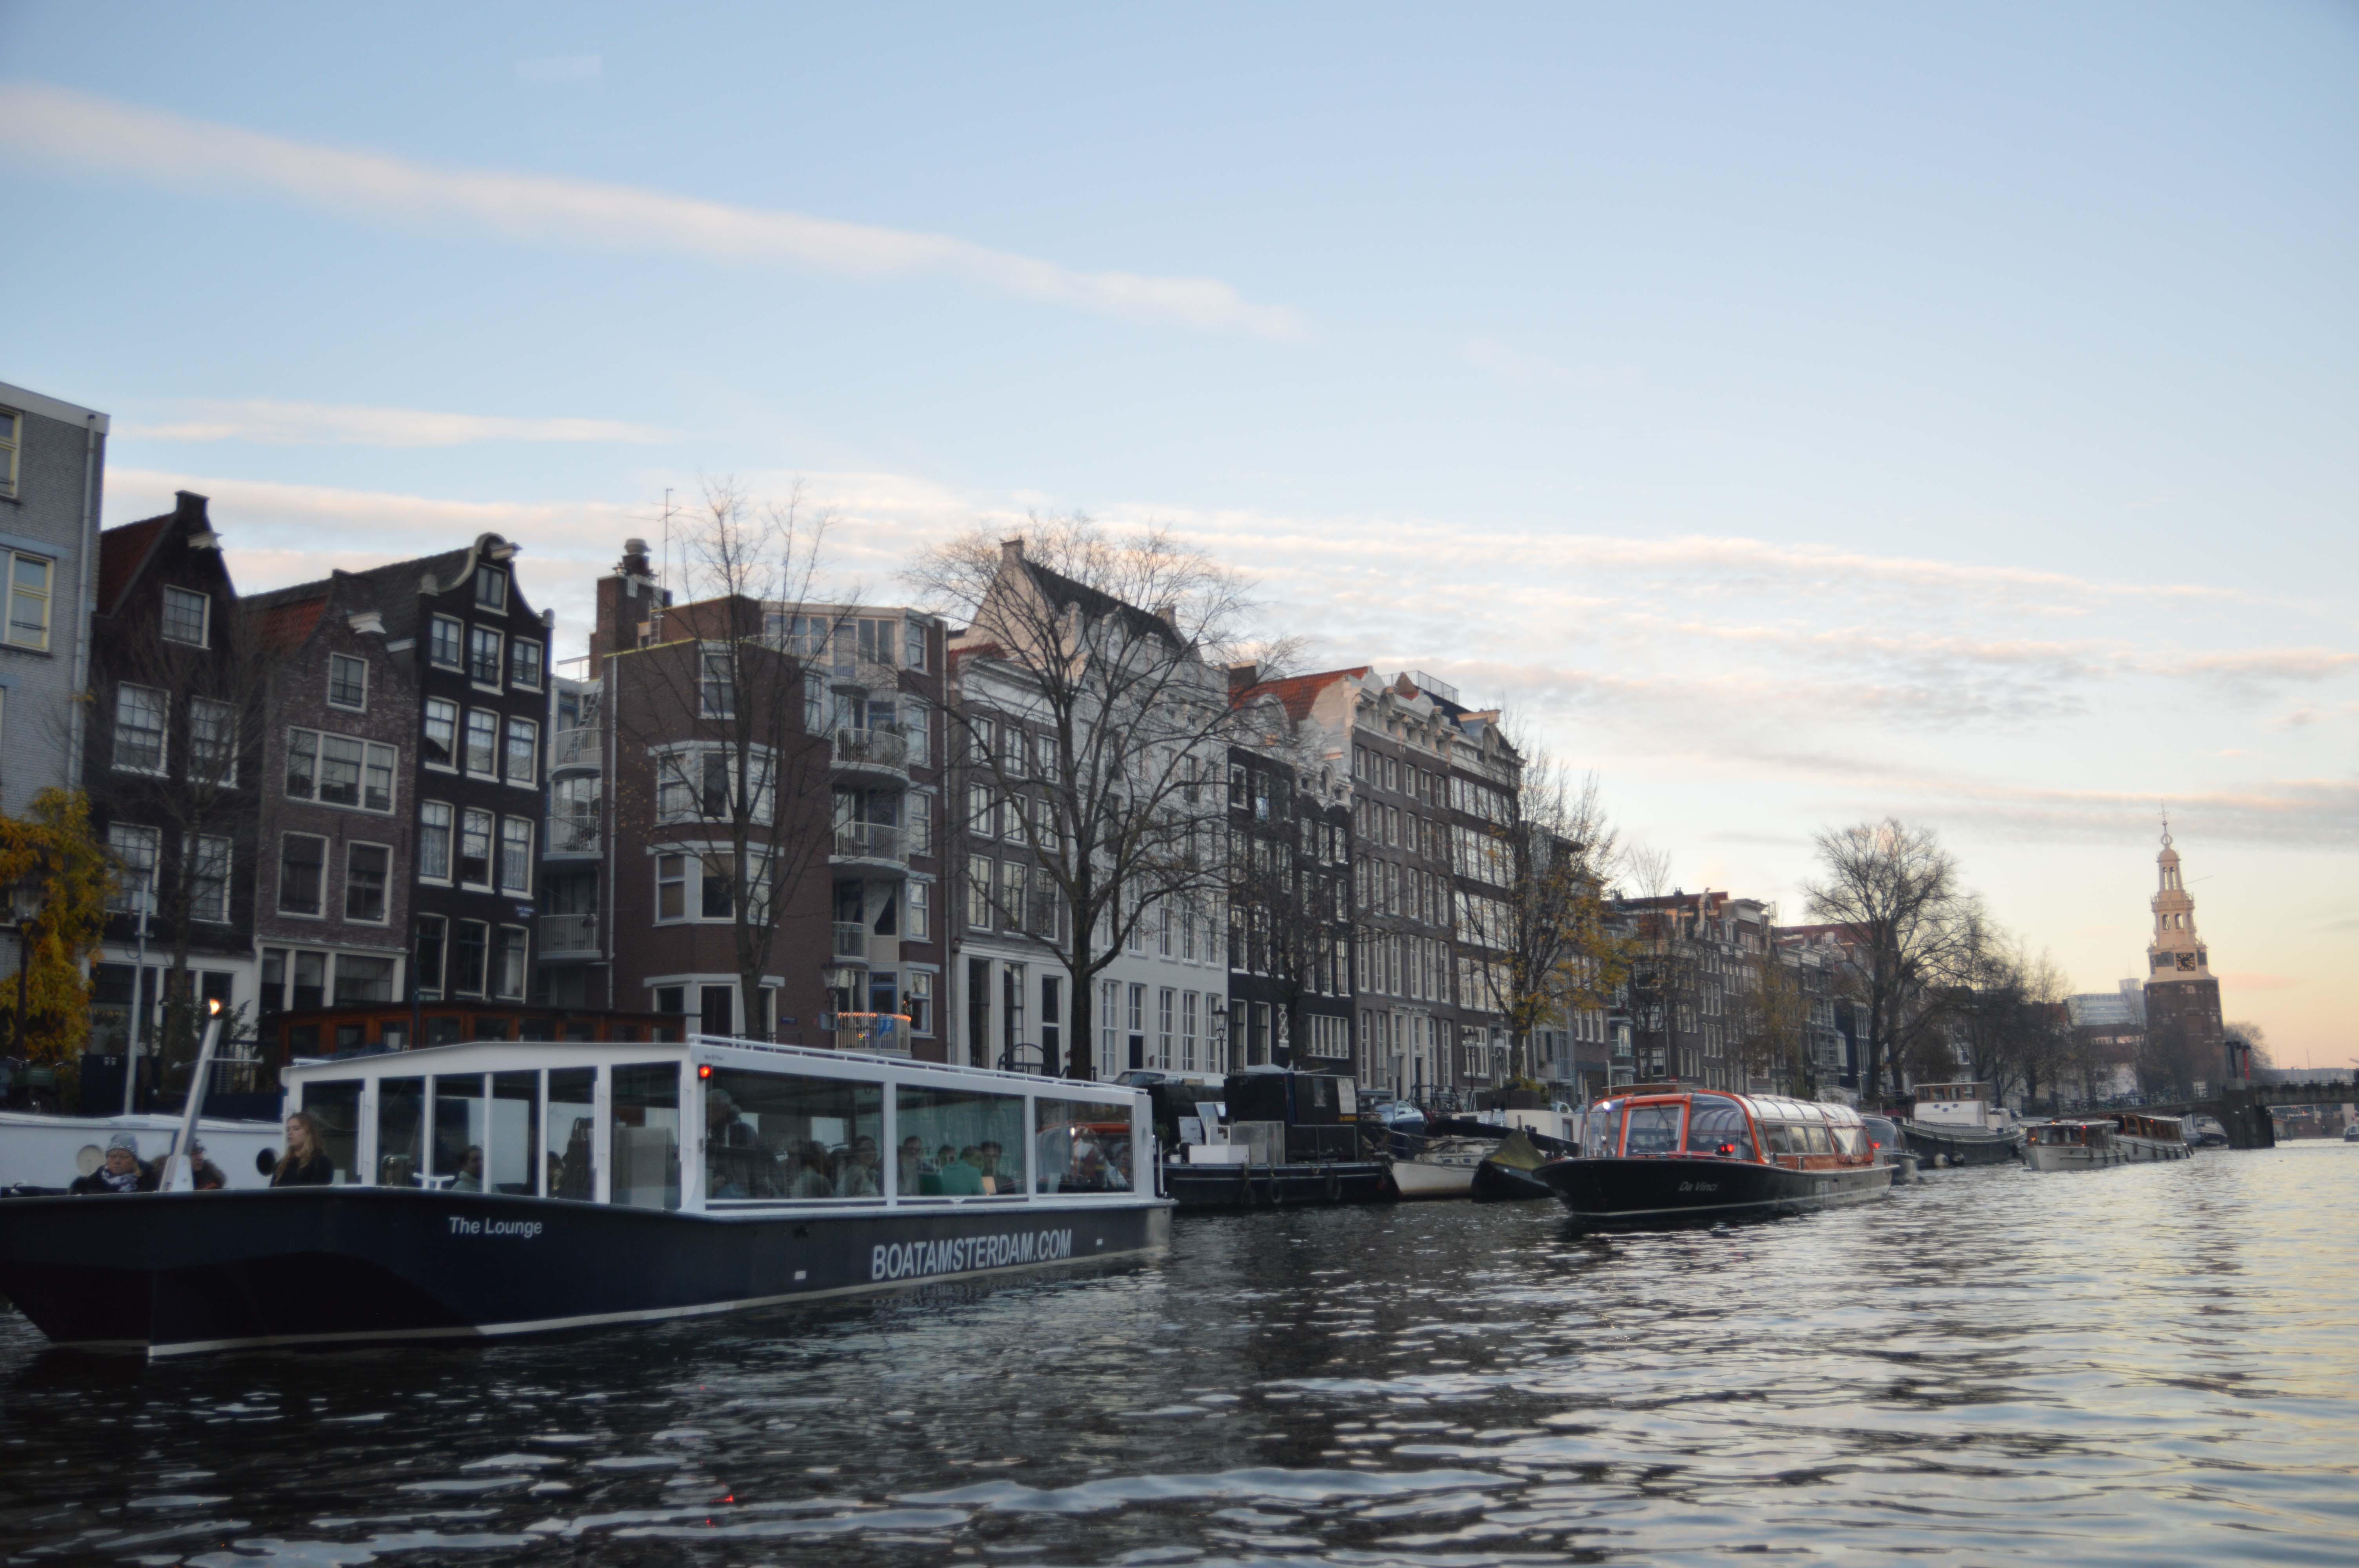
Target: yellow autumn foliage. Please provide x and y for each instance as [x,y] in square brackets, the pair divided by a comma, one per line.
[61,876]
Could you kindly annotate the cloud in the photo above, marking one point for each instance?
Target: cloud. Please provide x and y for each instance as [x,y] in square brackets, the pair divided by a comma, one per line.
[69,129]
[271,423]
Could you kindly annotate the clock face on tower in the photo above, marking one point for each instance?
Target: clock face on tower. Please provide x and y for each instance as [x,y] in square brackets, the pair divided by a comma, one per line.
[2187,960]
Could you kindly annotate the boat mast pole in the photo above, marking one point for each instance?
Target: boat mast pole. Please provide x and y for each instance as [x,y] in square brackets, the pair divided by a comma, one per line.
[182,1177]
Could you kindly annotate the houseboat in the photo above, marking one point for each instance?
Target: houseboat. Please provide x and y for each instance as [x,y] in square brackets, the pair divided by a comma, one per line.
[2143,1137]
[2071,1145]
[1663,1155]
[500,1188]
[1958,1124]
[1283,1138]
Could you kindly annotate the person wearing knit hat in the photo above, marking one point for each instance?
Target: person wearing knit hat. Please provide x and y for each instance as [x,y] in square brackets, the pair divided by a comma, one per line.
[122,1171]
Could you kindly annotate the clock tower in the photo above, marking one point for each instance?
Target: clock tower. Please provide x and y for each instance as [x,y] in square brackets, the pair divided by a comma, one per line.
[2182,1000]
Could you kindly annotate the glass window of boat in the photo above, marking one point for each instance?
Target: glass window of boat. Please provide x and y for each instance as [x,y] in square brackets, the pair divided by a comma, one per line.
[1081,1146]
[645,1152]
[1851,1142]
[1599,1129]
[514,1157]
[1716,1126]
[1652,1129]
[778,1136]
[955,1142]
[458,1149]
[1815,1138]
[335,1105]
[572,1125]
[1777,1137]
[400,1131]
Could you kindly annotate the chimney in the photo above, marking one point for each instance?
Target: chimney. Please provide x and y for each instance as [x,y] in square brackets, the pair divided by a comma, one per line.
[634,562]
[1243,676]
[1011,551]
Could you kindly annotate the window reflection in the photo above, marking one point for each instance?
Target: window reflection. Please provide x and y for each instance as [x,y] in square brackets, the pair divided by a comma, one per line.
[958,1143]
[1081,1146]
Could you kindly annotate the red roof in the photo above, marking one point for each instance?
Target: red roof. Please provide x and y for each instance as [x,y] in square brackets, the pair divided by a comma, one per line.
[120,553]
[286,627]
[1297,693]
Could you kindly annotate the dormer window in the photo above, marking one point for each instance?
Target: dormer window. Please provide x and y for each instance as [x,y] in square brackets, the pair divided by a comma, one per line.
[186,613]
[491,587]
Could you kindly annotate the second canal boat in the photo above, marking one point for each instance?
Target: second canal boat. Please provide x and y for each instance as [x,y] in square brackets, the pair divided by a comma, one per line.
[1664,1155]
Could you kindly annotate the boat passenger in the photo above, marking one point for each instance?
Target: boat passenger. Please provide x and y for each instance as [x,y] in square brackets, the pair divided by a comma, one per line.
[305,1164]
[994,1181]
[912,1164]
[810,1178]
[120,1173]
[470,1178]
[963,1176]
[863,1176]
[204,1175]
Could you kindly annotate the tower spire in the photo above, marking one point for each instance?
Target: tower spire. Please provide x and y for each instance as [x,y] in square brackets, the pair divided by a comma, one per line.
[2176,952]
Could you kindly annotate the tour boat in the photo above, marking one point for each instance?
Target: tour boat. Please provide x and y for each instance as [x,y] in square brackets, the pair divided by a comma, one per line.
[1660,1155]
[493,1189]
[41,1153]
[2081,1145]
[2143,1137]
[1957,1124]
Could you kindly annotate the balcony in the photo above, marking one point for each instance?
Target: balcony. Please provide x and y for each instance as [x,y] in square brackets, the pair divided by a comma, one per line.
[568,936]
[852,940]
[580,750]
[877,752]
[875,845]
[885,1032]
[574,832]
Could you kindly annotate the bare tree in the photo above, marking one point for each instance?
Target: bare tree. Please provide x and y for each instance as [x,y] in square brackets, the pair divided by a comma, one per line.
[722,720]
[1552,857]
[1107,656]
[1897,893]
[1769,1022]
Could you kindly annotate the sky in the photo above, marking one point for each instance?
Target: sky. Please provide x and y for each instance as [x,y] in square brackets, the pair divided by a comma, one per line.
[1794,415]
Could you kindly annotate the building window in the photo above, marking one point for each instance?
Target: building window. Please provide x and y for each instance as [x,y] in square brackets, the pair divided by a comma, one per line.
[516,855]
[133,850]
[508,969]
[347,682]
[186,615]
[303,873]
[448,638]
[483,743]
[11,425]
[430,929]
[523,752]
[209,880]
[213,741]
[484,655]
[917,912]
[475,849]
[434,841]
[139,721]
[361,980]
[913,646]
[717,692]
[311,979]
[919,809]
[467,954]
[524,663]
[29,600]
[1166,1004]
[491,587]
[714,894]
[1188,1032]
[671,888]
[919,999]
[441,732]
[978,892]
[367,868]
[337,770]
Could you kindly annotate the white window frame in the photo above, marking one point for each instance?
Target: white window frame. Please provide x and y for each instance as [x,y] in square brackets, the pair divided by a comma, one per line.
[467,746]
[46,595]
[490,574]
[494,983]
[142,896]
[204,639]
[499,660]
[530,732]
[11,428]
[163,731]
[220,852]
[450,830]
[321,913]
[458,725]
[200,705]
[387,917]
[539,664]
[682,881]
[918,911]
[491,849]
[458,629]
[500,871]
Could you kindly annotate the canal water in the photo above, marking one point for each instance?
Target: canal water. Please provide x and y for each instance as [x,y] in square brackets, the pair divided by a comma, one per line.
[2148,1365]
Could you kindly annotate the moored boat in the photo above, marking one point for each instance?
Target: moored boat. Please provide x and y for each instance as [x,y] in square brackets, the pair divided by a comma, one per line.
[1511,1172]
[1442,1167]
[1957,1124]
[1663,1155]
[2071,1145]
[494,1189]
[1286,1138]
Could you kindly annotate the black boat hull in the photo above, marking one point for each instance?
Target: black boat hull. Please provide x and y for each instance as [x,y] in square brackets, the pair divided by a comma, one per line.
[1656,1193]
[1963,1146]
[1276,1186]
[1495,1183]
[181,1273]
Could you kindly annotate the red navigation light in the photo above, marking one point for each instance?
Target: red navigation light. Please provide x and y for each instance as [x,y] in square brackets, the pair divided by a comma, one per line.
[704,1071]
[1725,1148]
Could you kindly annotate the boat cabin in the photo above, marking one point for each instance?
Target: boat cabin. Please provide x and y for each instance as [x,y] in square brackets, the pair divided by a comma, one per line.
[2070,1134]
[1958,1105]
[1659,1120]
[712,1125]
[2160,1128]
